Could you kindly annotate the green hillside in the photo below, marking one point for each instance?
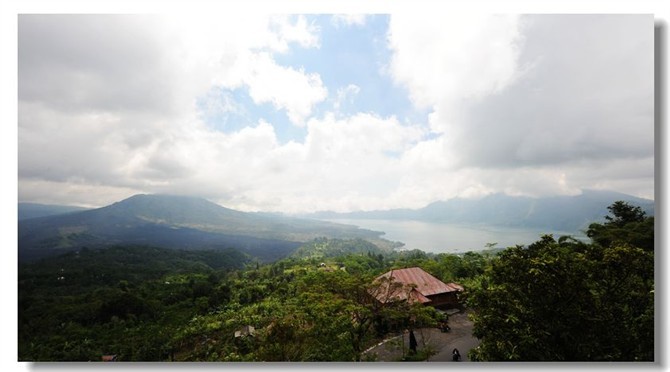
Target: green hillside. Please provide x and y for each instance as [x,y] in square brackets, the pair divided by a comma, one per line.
[175,222]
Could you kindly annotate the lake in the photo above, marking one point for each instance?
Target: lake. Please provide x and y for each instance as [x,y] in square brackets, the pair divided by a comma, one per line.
[451,238]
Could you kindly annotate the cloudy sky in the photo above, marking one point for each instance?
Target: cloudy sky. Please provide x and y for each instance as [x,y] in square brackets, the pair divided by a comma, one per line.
[298,113]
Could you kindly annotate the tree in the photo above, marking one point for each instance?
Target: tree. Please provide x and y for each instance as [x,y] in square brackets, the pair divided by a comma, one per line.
[567,300]
[624,213]
[627,225]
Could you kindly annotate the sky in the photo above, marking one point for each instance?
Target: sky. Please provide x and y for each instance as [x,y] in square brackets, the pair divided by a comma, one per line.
[299,113]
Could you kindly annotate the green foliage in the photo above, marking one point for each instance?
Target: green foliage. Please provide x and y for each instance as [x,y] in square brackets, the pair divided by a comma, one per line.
[122,300]
[569,300]
[321,248]
[553,300]
[624,213]
[143,303]
[627,225]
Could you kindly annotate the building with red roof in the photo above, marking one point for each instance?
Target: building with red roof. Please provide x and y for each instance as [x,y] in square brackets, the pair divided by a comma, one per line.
[413,284]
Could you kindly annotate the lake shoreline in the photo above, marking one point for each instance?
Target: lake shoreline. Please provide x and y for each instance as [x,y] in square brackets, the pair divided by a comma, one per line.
[438,237]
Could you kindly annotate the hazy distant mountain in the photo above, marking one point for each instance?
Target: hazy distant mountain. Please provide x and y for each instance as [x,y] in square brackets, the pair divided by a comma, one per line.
[175,222]
[559,213]
[33,210]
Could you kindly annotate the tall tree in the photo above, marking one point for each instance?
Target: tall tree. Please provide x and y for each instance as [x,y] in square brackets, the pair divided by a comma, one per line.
[627,224]
[624,213]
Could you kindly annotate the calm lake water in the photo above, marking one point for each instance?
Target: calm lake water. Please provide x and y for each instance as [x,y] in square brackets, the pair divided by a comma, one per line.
[450,238]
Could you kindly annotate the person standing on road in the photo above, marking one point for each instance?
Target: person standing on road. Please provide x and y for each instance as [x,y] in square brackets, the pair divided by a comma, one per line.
[412,342]
[455,355]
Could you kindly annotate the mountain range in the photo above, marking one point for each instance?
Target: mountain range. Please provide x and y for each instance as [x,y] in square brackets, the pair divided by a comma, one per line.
[192,223]
[33,210]
[175,222]
[557,213]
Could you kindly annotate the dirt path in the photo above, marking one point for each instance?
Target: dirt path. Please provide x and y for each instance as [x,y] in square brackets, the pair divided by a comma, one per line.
[442,343]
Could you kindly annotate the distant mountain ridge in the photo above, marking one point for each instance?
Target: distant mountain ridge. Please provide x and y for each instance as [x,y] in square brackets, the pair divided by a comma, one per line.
[175,222]
[34,210]
[559,213]
[191,223]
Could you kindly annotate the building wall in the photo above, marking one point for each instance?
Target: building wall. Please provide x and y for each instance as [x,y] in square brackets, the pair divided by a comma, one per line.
[444,300]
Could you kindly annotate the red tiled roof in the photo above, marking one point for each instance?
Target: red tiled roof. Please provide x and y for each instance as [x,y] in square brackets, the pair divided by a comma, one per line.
[423,284]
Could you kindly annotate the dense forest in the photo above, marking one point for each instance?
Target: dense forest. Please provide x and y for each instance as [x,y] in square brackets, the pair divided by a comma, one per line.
[556,299]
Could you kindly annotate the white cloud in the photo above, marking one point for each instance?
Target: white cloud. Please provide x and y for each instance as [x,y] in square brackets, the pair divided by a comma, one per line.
[343,163]
[345,96]
[221,103]
[286,88]
[74,63]
[444,59]
[342,20]
[301,32]
[588,97]
[533,101]
[110,100]
[58,147]
[89,195]
[237,52]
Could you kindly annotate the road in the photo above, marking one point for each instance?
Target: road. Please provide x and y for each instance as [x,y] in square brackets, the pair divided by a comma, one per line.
[463,344]
[443,343]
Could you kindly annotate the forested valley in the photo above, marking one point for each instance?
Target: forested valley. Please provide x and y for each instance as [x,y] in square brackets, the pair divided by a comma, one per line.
[556,299]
